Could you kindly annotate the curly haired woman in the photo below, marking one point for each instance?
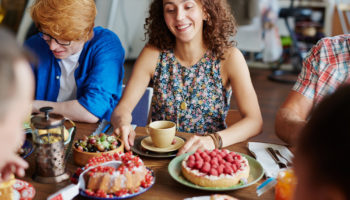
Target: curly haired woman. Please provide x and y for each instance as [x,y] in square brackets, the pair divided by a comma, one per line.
[193,64]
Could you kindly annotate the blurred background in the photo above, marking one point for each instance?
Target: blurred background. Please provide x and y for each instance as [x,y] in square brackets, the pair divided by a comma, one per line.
[273,35]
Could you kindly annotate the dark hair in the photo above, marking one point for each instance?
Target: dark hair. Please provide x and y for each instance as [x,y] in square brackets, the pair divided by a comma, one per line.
[325,140]
[218,30]
[10,52]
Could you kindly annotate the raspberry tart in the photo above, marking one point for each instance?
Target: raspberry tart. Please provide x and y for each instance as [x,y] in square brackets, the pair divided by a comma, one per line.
[128,178]
[216,168]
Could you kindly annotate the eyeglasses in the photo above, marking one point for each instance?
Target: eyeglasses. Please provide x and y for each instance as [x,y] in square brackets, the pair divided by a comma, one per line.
[48,37]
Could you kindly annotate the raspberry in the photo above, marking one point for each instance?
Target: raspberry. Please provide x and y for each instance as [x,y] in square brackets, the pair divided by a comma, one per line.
[197,156]
[214,162]
[205,168]
[221,169]
[207,159]
[229,158]
[239,157]
[203,154]
[198,164]
[228,170]
[190,163]
[213,172]
[222,162]
[214,166]
[234,168]
[213,154]
[207,151]
[191,157]
[223,153]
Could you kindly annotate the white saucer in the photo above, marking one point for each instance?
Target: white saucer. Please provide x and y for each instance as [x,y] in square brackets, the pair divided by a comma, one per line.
[148,144]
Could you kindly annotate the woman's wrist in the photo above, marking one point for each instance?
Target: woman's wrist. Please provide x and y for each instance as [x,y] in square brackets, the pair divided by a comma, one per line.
[217,140]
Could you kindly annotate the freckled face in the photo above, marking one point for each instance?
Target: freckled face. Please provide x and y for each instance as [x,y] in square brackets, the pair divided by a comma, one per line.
[184,18]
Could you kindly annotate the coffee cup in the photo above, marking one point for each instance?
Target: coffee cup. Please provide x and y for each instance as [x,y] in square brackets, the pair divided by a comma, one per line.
[162,133]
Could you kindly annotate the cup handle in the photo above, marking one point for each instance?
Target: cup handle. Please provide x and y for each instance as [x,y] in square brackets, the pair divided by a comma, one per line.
[69,147]
[147,129]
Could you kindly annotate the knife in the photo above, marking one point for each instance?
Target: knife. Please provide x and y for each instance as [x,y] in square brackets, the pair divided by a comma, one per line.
[275,158]
[101,127]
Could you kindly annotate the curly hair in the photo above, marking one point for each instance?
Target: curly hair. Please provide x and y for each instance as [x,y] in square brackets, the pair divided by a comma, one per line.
[218,29]
[65,19]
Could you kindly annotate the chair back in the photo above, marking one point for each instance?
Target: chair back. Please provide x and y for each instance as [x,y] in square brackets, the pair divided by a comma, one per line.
[141,111]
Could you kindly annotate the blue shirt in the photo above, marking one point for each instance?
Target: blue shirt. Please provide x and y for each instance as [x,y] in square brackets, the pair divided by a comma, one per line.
[99,76]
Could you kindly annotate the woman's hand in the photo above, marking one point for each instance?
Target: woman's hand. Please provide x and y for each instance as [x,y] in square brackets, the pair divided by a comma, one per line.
[123,128]
[197,142]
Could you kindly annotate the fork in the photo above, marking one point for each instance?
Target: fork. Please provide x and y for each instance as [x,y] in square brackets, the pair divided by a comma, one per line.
[280,155]
[275,157]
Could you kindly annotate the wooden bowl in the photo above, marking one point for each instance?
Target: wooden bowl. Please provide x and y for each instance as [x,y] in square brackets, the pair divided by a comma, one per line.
[81,158]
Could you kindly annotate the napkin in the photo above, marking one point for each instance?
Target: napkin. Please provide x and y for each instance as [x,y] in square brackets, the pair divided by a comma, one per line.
[258,149]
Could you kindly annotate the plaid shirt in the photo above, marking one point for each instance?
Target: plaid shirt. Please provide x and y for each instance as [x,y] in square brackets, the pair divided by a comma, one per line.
[325,68]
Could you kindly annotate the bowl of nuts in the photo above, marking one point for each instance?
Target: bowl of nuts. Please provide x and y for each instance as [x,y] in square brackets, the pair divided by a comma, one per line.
[90,146]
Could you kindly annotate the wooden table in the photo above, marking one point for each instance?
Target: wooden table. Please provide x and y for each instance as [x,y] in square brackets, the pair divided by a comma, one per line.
[164,188]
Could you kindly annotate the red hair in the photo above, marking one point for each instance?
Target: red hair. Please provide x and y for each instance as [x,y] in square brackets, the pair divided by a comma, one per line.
[65,19]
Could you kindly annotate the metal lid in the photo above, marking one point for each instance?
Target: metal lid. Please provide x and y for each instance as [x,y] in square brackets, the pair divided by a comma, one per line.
[47,120]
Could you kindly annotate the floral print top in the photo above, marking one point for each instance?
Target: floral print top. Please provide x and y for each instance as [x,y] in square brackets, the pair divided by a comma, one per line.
[193,97]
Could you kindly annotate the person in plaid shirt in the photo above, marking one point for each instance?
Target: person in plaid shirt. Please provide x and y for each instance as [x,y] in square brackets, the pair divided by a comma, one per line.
[325,68]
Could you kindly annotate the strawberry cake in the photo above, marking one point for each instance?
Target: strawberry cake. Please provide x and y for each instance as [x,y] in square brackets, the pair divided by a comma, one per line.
[216,168]
[106,181]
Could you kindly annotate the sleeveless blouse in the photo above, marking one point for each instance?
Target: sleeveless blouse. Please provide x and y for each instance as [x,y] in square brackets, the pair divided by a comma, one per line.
[199,88]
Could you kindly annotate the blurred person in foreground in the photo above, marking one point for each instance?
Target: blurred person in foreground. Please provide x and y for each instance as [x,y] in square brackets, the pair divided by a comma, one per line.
[16,97]
[326,67]
[194,67]
[80,69]
[321,151]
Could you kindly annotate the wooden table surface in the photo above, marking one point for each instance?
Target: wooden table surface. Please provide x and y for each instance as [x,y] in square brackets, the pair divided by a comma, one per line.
[164,188]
